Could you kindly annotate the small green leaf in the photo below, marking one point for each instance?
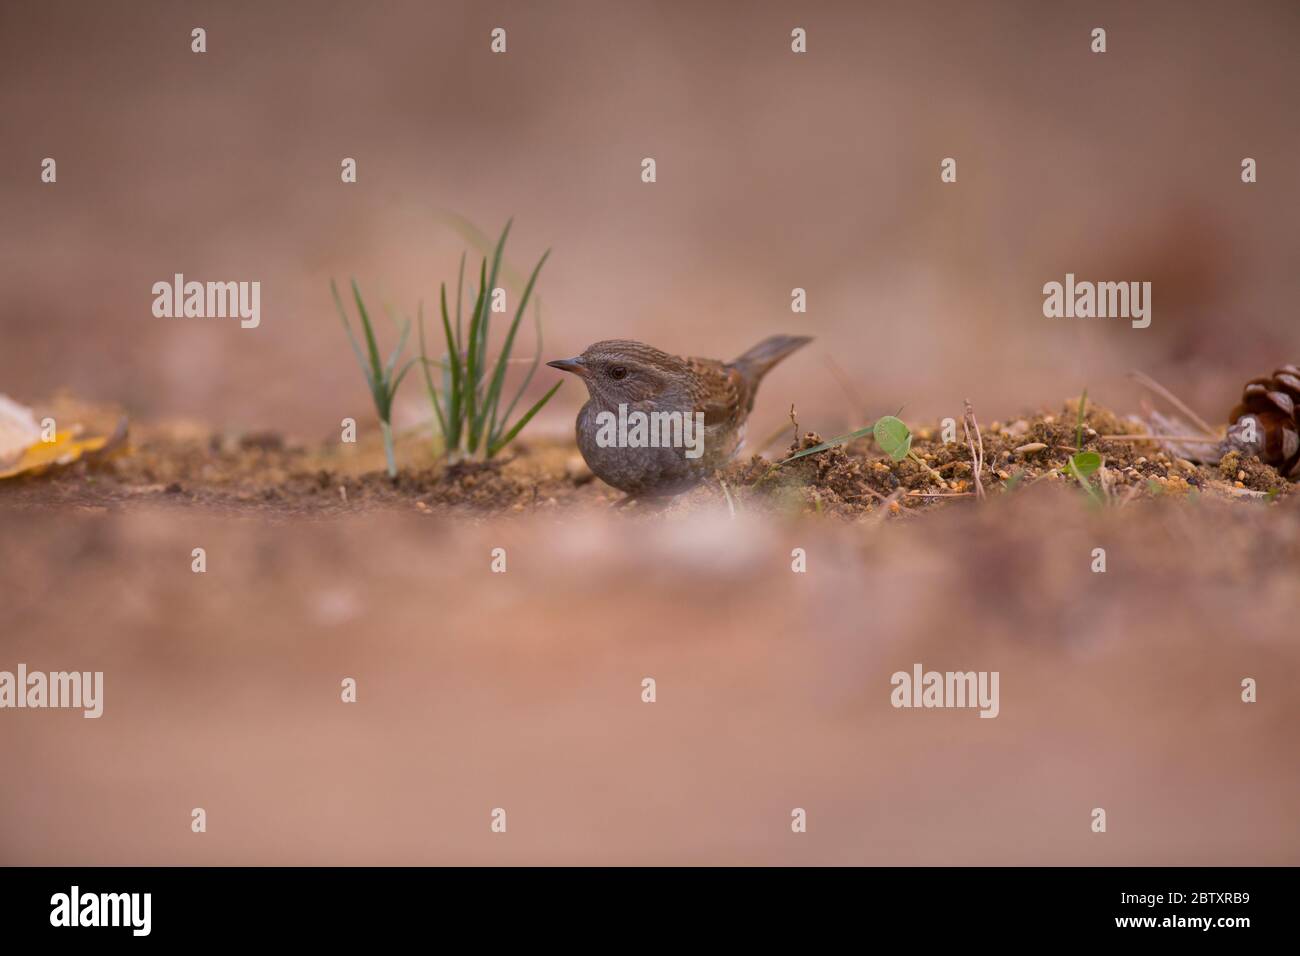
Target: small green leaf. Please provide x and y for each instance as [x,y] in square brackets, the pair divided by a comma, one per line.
[1086,462]
[893,437]
[1093,494]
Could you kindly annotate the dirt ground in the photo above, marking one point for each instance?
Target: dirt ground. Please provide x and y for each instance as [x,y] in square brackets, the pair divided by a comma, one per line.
[522,690]
[269,474]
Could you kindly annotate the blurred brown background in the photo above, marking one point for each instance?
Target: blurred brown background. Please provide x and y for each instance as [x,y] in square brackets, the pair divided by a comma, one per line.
[775,171]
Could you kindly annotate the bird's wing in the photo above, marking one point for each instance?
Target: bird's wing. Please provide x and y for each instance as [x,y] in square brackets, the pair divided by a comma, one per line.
[719,391]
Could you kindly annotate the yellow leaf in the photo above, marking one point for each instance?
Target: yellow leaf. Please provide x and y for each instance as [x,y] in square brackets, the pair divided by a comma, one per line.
[64,450]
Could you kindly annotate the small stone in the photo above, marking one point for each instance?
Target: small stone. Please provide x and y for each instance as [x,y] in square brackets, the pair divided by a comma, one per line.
[1241,476]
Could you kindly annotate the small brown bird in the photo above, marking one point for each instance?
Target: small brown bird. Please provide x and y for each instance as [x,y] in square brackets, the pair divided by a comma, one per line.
[656,424]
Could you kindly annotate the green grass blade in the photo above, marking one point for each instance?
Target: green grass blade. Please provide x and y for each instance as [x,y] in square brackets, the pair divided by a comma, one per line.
[392,389]
[829,444]
[537,361]
[491,289]
[460,282]
[428,379]
[474,365]
[479,240]
[524,420]
[371,345]
[499,374]
[453,389]
[347,327]
[397,352]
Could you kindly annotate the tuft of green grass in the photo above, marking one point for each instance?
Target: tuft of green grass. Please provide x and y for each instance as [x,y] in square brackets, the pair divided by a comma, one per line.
[468,406]
[382,377]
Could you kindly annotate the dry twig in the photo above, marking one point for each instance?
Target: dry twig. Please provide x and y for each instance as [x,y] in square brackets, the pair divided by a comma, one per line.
[976,446]
[1144,379]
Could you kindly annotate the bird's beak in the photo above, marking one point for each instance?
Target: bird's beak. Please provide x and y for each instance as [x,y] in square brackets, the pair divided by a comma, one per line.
[574,365]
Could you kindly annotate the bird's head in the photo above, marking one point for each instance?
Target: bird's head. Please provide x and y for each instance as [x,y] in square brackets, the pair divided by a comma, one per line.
[622,371]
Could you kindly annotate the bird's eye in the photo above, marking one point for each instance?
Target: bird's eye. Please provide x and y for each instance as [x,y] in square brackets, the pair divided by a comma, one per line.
[617,372]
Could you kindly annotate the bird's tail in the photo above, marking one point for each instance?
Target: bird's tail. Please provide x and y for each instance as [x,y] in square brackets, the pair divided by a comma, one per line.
[759,360]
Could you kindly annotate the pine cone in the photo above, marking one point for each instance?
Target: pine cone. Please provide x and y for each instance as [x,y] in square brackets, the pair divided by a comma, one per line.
[1274,404]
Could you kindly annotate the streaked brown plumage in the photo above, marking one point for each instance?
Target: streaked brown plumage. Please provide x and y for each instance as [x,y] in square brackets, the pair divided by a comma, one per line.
[622,372]
[1274,403]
